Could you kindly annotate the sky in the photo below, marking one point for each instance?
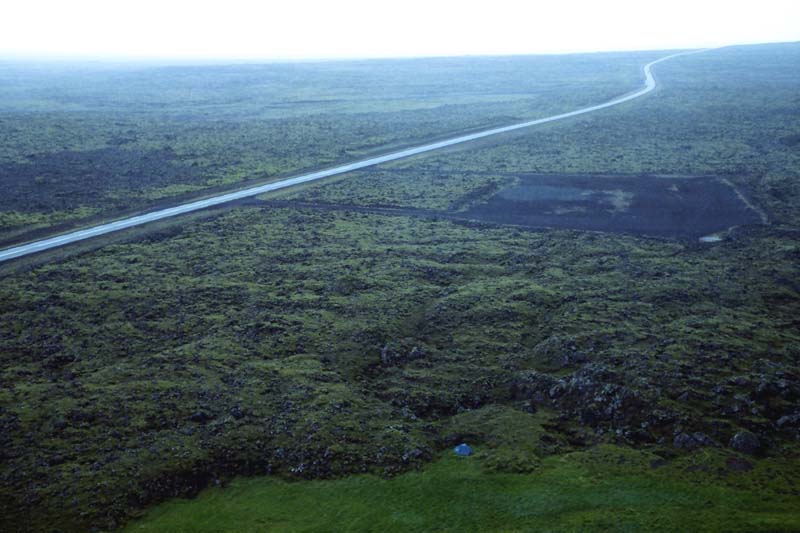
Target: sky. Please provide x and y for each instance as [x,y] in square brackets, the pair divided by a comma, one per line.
[303,29]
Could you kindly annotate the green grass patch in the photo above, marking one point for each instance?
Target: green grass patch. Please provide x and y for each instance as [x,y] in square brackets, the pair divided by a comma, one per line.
[605,488]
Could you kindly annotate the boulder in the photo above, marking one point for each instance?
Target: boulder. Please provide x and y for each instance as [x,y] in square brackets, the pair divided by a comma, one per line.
[745,442]
[201,417]
[789,421]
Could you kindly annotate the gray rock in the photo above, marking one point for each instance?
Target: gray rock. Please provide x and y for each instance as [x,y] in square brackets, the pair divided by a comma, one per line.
[394,354]
[702,438]
[556,390]
[789,421]
[745,442]
[685,441]
[386,355]
[682,441]
[201,417]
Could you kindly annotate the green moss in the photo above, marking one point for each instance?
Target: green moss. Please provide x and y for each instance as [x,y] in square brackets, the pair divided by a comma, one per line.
[15,219]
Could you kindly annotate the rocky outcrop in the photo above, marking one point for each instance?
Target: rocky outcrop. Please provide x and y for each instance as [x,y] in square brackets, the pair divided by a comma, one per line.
[593,395]
[691,441]
[400,353]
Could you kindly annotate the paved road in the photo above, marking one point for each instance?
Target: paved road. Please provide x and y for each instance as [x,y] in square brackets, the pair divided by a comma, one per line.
[88,233]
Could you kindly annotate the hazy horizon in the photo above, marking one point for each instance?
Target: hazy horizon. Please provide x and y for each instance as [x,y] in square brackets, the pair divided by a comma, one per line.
[240,31]
[221,60]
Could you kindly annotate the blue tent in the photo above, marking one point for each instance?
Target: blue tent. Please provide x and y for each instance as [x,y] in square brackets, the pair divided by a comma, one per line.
[463,449]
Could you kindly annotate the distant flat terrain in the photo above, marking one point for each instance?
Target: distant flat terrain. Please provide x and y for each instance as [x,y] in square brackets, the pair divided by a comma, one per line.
[188,207]
[80,143]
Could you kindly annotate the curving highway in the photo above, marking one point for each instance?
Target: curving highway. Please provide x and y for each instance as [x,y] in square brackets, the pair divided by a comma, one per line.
[88,233]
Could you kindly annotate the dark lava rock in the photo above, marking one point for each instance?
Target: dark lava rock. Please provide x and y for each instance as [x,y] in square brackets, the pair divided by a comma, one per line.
[78,415]
[396,354]
[789,421]
[532,386]
[386,355]
[558,352]
[683,441]
[573,359]
[201,417]
[591,394]
[594,394]
[57,361]
[556,390]
[745,442]
[689,442]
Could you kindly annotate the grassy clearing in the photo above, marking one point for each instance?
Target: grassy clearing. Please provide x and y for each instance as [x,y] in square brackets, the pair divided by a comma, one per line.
[604,488]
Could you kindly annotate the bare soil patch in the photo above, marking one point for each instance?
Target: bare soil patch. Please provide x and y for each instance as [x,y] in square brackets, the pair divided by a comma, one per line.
[677,207]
